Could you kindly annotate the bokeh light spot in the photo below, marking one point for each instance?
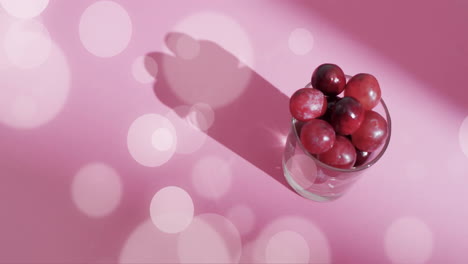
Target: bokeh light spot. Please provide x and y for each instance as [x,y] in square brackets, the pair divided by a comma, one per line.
[408,240]
[287,247]
[96,189]
[301,242]
[32,97]
[162,139]
[212,177]
[27,44]
[242,217]
[105,28]
[24,109]
[300,41]
[210,238]
[201,116]
[218,28]
[171,209]
[148,244]
[189,137]
[145,140]
[24,8]
[5,24]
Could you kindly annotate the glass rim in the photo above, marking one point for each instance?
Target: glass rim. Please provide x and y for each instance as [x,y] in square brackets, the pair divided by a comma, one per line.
[353,169]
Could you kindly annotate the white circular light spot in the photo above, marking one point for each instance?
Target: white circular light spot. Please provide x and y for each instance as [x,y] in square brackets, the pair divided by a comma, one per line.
[162,139]
[151,140]
[189,137]
[220,29]
[201,116]
[242,217]
[171,209]
[5,24]
[24,8]
[32,97]
[208,52]
[24,109]
[96,189]
[302,169]
[105,28]
[147,244]
[300,242]
[301,41]
[408,240]
[463,136]
[210,238]
[211,177]
[27,44]
[144,69]
[287,247]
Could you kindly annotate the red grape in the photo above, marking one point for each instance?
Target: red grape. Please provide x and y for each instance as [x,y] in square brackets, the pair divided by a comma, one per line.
[372,132]
[307,103]
[347,116]
[341,155]
[364,88]
[317,136]
[331,102]
[361,157]
[329,78]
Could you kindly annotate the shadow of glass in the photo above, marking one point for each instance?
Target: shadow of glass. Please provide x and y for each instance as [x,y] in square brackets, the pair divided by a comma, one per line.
[251,116]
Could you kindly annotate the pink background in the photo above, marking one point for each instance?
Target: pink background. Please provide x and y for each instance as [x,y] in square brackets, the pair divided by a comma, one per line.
[151,131]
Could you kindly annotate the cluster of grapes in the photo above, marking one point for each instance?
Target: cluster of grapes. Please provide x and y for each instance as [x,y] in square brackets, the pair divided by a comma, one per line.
[340,131]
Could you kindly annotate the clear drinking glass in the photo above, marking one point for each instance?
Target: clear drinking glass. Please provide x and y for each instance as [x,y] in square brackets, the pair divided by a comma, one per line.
[316,180]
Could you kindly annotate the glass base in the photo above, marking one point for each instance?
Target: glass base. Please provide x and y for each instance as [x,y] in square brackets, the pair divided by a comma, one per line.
[304,193]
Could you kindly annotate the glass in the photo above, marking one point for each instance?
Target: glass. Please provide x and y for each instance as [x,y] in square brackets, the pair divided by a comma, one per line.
[316,180]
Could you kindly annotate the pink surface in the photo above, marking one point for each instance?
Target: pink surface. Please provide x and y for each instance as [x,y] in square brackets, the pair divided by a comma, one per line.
[152,131]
